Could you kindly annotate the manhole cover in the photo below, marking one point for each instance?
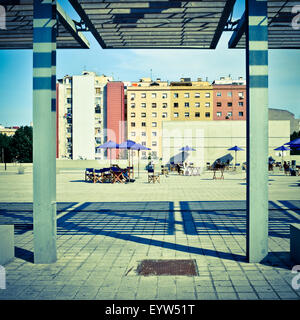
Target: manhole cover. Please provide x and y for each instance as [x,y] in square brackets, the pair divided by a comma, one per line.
[167,267]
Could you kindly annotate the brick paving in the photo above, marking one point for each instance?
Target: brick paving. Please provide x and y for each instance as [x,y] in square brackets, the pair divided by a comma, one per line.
[104,231]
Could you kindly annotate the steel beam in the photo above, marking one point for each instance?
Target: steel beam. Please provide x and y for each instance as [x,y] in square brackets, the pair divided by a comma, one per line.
[44,130]
[257,129]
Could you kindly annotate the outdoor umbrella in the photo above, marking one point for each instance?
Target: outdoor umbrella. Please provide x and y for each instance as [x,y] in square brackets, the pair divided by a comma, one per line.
[127,145]
[186,148]
[108,145]
[235,148]
[139,147]
[295,143]
[282,148]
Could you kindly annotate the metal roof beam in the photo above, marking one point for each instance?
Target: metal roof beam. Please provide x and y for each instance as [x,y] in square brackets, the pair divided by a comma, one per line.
[70,26]
[222,22]
[238,32]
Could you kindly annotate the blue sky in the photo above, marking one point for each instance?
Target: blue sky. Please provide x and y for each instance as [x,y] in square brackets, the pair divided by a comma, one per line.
[131,65]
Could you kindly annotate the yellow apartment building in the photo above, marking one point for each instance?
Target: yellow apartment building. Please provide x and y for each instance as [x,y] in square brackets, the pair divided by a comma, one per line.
[191,100]
[148,104]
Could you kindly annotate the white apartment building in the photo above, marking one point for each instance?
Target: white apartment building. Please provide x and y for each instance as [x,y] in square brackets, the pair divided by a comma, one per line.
[80,115]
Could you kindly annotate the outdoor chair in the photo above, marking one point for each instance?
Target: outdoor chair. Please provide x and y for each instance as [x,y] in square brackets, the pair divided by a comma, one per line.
[152,176]
[102,175]
[164,171]
[117,175]
[89,174]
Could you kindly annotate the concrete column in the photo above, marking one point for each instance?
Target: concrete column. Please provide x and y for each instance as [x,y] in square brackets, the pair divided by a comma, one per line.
[44,131]
[257,129]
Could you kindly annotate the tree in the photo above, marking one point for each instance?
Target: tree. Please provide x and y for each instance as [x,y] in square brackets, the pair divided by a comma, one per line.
[294,136]
[21,145]
[5,153]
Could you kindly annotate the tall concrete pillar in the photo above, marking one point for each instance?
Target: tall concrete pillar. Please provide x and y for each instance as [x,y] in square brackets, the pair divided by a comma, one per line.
[257,129]
[44,131]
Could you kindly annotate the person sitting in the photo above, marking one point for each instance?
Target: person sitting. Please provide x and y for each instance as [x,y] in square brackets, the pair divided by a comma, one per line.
[286,168]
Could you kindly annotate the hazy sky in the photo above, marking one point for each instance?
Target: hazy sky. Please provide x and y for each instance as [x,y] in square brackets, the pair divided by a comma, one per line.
[131,65]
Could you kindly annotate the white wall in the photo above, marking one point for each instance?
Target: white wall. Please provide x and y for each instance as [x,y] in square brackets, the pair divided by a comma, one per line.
[211,139]
[83,100]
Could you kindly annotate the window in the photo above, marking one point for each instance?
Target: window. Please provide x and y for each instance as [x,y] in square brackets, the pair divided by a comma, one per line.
[186,104]
[69,120]
[143,143]
[229,114]
[164,105]
[164,114]
[132,105]
[207,104]
[197,104]
[69,100]
[229,104]
[241,114]
[68,91]
[153,95]
[207,95]
[98,90]
[207,114]
[229,94]
[143,133]
[133,124]
[132,114]
[154,143]
[97,100]
[219,114]
[197,114]
[241,95]
[186,114]
[133,134]
[143,105]
[143,114]
[186,95]
[153,105]
[143,95]
[154,114]
[154,133]
[132,96]
[175,95]
[154,124]
[219,104]
[154,154]
[197,95]
[176,114]
[143,124]
[164,95]
[241,104]
[175,104]
[69,130]
[219,94]
[144,154]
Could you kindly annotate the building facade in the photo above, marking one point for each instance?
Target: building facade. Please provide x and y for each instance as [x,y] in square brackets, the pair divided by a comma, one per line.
[229,99]
[80,115]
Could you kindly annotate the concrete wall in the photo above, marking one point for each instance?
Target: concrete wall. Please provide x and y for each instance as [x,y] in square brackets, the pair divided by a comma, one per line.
[211,139]
[83,99]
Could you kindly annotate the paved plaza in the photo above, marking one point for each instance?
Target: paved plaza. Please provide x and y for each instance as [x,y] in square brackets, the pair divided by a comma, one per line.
[105,230]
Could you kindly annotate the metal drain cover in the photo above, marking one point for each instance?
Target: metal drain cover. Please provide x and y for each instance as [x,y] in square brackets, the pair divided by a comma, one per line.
[167,267]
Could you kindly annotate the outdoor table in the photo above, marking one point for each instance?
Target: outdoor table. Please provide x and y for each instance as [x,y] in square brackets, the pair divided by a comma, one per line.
[221,176]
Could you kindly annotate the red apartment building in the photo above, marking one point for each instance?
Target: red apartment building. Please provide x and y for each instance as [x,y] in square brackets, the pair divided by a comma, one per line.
[115,115]
[229,99]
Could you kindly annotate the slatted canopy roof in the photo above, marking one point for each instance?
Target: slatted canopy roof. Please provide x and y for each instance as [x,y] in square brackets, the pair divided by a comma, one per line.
[281,33]
[19,27]
[155,24]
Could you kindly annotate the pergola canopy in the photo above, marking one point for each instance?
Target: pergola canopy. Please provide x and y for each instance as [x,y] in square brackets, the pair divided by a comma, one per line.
[281,32]
[155,24]
[19,27]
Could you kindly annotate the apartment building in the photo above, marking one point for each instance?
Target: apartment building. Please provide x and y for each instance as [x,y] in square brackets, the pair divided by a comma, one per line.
[148,104]
[229,99]
[191,100]
[80,115]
